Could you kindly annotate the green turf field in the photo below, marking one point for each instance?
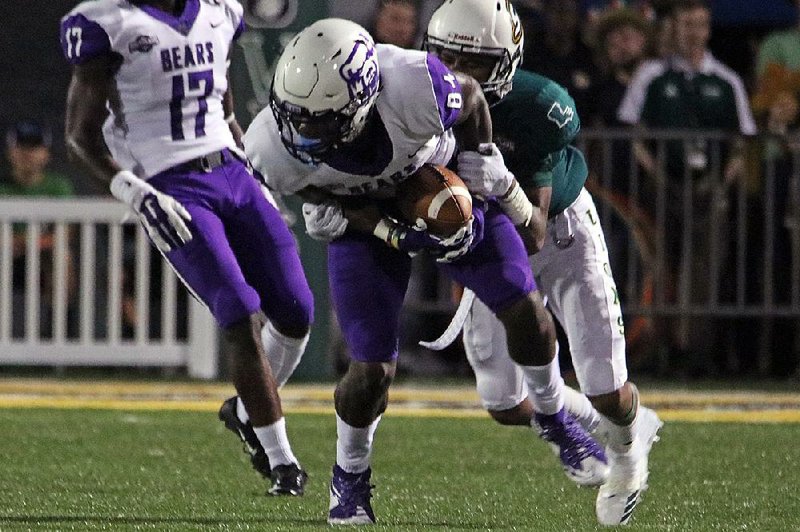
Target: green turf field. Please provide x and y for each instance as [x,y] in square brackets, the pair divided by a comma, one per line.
[76,469]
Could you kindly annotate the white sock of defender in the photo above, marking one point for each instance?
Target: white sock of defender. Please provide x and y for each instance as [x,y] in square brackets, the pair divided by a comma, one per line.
[241,412]
[283,353]
[545,386]
[354,445]
[275,442]
[621,437]
[581,409]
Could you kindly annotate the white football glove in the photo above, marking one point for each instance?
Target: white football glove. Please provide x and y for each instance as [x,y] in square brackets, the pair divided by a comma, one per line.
[324,221]
[484,171]
[162,216]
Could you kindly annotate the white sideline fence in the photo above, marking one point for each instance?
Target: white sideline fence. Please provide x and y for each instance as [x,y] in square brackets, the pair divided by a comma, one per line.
[689,247]
[88,233]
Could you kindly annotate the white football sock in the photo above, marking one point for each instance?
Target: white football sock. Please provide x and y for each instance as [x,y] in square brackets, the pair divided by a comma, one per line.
[581,409]
[283,352]
[545,386]
[621,437]
[241,412]
[354,445]
[275,442]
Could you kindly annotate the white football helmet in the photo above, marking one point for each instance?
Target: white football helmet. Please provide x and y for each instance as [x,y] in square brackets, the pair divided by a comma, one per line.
[325,85]
[487,27]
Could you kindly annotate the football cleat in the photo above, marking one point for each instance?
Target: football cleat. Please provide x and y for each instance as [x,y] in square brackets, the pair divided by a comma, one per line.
[628,473]
[583,460]
[288,480]
[350,495]
[245,432]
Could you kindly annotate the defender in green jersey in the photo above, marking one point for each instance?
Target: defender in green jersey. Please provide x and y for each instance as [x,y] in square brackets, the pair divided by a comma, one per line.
[534,122]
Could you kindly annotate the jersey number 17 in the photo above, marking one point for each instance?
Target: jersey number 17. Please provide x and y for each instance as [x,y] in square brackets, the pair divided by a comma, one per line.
[181,85]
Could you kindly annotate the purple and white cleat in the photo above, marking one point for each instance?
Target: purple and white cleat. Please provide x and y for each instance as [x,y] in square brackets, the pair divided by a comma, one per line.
[350,495]
[582,458]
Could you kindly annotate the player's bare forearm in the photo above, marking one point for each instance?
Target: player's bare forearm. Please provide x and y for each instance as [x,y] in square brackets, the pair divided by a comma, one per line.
[363,218]
[86,112]
[474,124]
[536,230]
[314,194]
[230,116]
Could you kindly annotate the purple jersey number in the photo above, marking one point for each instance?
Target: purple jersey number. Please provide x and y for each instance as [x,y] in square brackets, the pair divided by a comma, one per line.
[180,86]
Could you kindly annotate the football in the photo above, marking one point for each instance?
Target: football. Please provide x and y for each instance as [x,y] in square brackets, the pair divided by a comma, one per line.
[438,197]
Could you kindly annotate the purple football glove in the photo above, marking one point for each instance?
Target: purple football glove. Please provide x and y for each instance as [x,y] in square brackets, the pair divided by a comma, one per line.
[414,239]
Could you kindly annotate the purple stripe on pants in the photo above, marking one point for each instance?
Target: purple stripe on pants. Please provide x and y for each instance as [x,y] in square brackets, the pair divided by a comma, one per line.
[242,256]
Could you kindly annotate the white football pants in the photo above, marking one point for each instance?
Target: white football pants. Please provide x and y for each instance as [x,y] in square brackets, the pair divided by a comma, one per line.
[575,276]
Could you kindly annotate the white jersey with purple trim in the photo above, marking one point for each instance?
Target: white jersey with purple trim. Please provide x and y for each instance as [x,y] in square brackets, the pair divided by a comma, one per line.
[171,75]
[418,103]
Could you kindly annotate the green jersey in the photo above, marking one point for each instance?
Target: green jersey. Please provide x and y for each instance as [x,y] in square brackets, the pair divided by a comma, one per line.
[533,127]
[52,185]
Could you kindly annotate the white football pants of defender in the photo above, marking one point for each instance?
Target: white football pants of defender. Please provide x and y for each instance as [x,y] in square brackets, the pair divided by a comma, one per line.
[573,271]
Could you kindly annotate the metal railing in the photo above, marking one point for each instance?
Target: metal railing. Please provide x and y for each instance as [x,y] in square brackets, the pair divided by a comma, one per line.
[687,245]
[702,241]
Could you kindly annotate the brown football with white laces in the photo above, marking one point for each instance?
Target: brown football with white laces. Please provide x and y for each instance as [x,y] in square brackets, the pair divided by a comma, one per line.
[438,197]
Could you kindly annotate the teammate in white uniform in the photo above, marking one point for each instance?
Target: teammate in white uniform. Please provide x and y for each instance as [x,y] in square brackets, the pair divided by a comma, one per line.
[348,121]
[534,125]
[149,113]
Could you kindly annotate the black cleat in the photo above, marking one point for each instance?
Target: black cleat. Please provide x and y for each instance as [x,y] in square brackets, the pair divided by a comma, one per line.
[245,432]
[288,480]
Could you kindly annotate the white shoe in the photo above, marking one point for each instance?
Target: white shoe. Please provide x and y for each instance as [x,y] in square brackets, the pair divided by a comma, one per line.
[628,473]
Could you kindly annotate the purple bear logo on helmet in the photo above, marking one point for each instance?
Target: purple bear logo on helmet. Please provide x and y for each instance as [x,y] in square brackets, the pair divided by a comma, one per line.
[360,71]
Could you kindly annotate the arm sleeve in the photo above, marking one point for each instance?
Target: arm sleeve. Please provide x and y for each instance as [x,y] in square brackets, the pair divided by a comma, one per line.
[83,39]
[543,176]
[630,109]
[263,148]
[236,11]
[563,122]
[747,125]
[446,91]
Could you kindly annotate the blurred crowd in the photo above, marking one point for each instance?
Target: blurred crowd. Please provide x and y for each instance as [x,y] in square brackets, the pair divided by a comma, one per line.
[652,65]
[637,65]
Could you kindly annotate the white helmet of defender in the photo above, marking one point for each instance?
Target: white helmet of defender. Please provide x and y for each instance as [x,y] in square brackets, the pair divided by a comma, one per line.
[325,85]
[486,27]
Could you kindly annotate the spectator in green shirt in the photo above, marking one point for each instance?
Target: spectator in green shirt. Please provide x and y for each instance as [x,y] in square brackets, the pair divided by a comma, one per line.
[28,153]
[28,145]
[781,48]
[690,90]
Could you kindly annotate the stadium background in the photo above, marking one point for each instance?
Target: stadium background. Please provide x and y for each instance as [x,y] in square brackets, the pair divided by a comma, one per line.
[32,91]
[126,449]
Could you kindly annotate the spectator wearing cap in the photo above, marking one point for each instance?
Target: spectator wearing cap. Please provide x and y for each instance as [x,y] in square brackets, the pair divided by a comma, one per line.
[28,153]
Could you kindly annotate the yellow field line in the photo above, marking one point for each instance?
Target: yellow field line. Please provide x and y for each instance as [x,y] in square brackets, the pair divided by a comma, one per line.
[324,392]
[400,410]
